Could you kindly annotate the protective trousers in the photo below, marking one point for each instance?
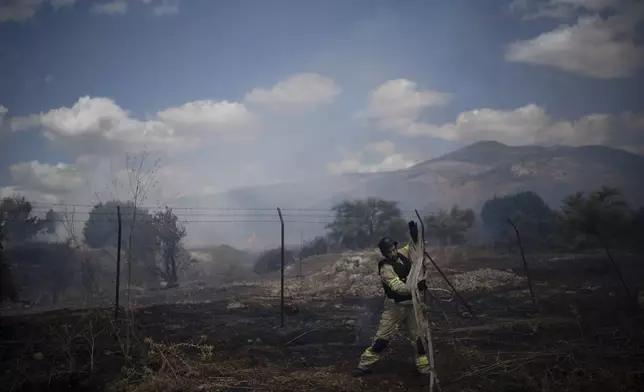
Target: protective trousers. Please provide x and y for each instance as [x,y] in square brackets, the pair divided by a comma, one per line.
[392,316]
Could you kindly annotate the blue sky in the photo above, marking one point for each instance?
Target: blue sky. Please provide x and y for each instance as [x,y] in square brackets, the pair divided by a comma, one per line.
[365,86]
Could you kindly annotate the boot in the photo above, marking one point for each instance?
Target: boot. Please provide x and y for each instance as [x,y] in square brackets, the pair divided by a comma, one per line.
[422,364]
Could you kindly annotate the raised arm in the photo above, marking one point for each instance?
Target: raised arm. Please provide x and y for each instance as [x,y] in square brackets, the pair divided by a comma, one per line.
[410,249]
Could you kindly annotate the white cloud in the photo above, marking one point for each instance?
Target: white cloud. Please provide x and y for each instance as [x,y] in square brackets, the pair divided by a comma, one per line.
[62,3]
[18,124]
[32,196]
[99,120]
[5,124]
[115,7]
[385,147]
[298,91]
[398,103]
[18,10]
[383,158]
[531,124]
[93,178]
[59,178]
[228,119]
[3,114]
[559,9]
[355,165]
[596,47]
[165,9]
[162,7]
[23,10]
[595,5]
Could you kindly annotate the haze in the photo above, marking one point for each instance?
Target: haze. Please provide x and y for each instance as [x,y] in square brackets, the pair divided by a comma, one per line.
[231,94]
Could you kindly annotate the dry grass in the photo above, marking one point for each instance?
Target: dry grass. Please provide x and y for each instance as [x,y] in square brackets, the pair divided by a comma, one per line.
[589,348]
[569,365]
[195,367]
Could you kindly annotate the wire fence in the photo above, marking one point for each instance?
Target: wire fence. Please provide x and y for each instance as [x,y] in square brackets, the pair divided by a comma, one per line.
[97,275]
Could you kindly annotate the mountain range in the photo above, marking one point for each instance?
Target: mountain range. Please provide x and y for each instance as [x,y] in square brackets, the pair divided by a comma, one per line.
[467,177]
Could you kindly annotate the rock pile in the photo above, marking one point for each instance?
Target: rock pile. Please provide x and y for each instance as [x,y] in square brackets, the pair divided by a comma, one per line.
[356,274]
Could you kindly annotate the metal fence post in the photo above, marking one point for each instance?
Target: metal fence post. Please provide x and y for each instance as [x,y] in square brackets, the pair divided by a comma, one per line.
[282,271]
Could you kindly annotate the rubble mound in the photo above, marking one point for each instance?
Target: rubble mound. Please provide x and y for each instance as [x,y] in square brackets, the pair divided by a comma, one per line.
[356,274]
[480,280]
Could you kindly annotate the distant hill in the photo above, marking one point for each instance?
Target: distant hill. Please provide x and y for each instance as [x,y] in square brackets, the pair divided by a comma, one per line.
[468,177]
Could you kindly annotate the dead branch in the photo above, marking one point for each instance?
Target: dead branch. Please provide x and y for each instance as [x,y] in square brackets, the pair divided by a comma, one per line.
[305,333]
[417,256]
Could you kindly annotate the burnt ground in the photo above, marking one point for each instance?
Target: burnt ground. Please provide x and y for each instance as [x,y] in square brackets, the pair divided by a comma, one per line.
[583,336]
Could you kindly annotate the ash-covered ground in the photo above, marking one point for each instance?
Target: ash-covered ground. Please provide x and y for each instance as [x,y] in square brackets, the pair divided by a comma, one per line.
[584,334]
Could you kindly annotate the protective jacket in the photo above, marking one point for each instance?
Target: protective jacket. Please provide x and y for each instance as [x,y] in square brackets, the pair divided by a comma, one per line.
[398,309]
[393,275]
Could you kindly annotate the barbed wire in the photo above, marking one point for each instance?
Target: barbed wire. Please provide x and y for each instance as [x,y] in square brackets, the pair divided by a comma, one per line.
[127,212]
[47,206]
[128,221]
[148,207]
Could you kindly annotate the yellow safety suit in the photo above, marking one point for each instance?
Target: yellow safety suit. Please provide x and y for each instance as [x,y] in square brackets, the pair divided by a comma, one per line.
[398,309]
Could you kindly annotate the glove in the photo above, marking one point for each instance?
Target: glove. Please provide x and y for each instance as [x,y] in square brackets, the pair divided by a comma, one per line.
[413,231]
[422,285]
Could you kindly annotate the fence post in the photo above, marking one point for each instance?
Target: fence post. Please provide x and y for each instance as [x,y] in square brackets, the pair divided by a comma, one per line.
[525,263]
[118,263]
[301,247]
[282,271]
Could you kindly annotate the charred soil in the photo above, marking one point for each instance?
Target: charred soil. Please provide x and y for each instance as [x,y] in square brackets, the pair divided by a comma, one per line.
[583,336]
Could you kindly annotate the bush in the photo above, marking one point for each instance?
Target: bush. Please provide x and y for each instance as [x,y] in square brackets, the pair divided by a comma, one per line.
[7,288]
[317,246]
[42,267]
[271,260]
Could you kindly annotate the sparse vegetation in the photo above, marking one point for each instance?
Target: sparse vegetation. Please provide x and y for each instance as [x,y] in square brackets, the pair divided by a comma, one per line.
[101,228]
[169,233]
[18,222]
[317,246]
[47,269]
[7,288]
[532,216]
[359,224]
[596,219]
[218,338]
[271,260]
[448,227]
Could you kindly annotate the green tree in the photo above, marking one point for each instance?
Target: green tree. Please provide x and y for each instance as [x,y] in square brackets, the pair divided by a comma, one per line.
[169,232]
[527,210]
[18,222]
[449,227]
[17,225]
[599,218]
[359,224]
[101,228]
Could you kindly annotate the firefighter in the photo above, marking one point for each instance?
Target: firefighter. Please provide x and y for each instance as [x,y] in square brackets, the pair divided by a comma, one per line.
[394,269]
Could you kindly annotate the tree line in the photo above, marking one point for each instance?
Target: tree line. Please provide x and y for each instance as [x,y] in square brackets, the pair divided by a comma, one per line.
[153,240]
[151,243]
[583,221]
